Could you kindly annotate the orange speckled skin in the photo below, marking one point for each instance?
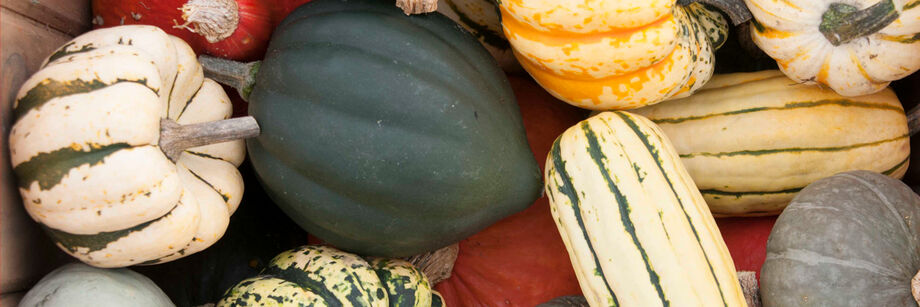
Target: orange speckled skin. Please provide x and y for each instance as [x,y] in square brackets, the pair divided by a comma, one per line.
[614,54]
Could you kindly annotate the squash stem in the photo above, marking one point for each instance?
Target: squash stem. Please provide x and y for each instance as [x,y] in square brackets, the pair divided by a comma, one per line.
[915,287]
[239,75]
[436,265]
[749,287]
[913,120]
[842,22]
[176,138]
[411,7]
[735,9]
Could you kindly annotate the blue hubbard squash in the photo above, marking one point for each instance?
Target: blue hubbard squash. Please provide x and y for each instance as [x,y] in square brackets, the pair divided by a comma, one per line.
[384,134]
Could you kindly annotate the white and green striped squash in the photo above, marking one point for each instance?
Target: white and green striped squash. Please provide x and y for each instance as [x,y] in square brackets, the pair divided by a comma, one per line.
[751,141]
[483,19]
[406,286]
[637,231]
[84,149]
[311,276]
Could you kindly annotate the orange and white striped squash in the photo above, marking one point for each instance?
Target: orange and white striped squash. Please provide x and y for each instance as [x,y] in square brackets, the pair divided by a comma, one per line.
[614,54]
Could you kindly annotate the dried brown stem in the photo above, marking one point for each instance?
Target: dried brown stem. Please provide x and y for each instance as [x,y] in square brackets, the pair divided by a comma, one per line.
[411,7]
[176,138]
[438,264]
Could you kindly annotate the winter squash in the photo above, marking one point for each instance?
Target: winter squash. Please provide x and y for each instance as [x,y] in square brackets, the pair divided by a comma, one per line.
[80,285]
[380,149]
[636,229]
[482,19]
[762,143]
[498,265]
[854,47]
[607,55]
[234,29]
[746,239]
[325,276]
[93,150]
[258,231]
[847,240]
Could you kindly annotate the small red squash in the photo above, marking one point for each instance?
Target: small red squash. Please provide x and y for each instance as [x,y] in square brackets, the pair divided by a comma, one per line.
[746,238]
[521,260]
[233,29]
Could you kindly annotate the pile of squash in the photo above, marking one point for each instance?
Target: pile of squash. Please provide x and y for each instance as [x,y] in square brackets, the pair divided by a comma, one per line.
[451,157]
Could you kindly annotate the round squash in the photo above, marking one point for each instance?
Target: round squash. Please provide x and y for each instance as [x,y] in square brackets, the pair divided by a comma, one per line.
[316,275]
[614,54]
[767,137]
[387,147]
[87,150]
[80,285]
[847,240]
[854,47]
[483,19]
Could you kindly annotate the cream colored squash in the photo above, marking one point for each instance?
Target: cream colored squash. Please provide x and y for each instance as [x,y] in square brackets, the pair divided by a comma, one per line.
[813,42]
[84,148]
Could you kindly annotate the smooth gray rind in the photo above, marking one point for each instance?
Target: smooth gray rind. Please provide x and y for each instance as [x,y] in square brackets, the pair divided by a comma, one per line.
[78,285]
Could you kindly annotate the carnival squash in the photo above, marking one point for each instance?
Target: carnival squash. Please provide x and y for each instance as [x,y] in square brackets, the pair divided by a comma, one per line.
[80,285]
[614,54]
[386,147]
[482,19]
[324,276]
[500,266]
[93,164]
[854,47]
[751,141]
[847,240]
[637,231]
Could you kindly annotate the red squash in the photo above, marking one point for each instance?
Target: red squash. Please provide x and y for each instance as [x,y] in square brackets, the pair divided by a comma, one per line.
[521,260]
[281,8]
[233,29]
[746,238]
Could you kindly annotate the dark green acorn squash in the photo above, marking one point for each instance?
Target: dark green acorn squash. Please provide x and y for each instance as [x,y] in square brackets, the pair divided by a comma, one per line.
[385,134]
[852,239]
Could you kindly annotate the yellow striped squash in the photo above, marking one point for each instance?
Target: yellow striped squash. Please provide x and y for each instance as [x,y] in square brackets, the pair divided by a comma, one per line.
[637,231]
[84,149]
[751,141]
[614,54]
[855,47]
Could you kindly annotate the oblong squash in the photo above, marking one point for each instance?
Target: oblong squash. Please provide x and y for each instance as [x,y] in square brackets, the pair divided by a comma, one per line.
[636,229]
[752,141]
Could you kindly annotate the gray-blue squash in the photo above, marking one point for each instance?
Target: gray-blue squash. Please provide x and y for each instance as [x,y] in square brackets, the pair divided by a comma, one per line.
[78,285]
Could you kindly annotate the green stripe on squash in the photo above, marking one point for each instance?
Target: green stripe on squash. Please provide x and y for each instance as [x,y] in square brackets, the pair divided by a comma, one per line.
[791,149]
[788,106]
[49,89]
[98,241]
[48,169]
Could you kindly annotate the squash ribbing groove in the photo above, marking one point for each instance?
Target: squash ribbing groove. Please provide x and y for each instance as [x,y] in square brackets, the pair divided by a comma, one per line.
[791,149]
[654,152]
[788,106]
[49,168]
[98,241]
[49,89]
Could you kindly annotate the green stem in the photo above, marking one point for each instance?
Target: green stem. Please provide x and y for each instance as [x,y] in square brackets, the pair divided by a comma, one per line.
[735,9]
[241,76]
[842,23]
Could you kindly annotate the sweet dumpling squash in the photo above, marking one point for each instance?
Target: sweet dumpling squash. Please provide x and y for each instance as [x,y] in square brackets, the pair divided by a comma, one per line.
[85,149]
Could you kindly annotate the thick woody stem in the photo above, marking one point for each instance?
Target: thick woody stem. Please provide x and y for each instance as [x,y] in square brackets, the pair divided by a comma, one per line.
[436,265]
[913,120]
[213,19]
[411,7]
[842,22]
[735,9]
[915,287]
[175,138]
[750,288]
[239,75]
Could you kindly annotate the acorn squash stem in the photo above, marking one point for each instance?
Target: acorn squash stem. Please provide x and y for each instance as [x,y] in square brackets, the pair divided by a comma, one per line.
[176,138]
[735,9]
[842,23]
[438,264]
[913,120]
[411,7]
[239,75]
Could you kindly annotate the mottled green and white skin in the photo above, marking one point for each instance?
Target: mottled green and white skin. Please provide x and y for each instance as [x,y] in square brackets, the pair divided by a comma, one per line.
[406,286]
[80,285]
[848,240]
[85,149]
[312,276]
